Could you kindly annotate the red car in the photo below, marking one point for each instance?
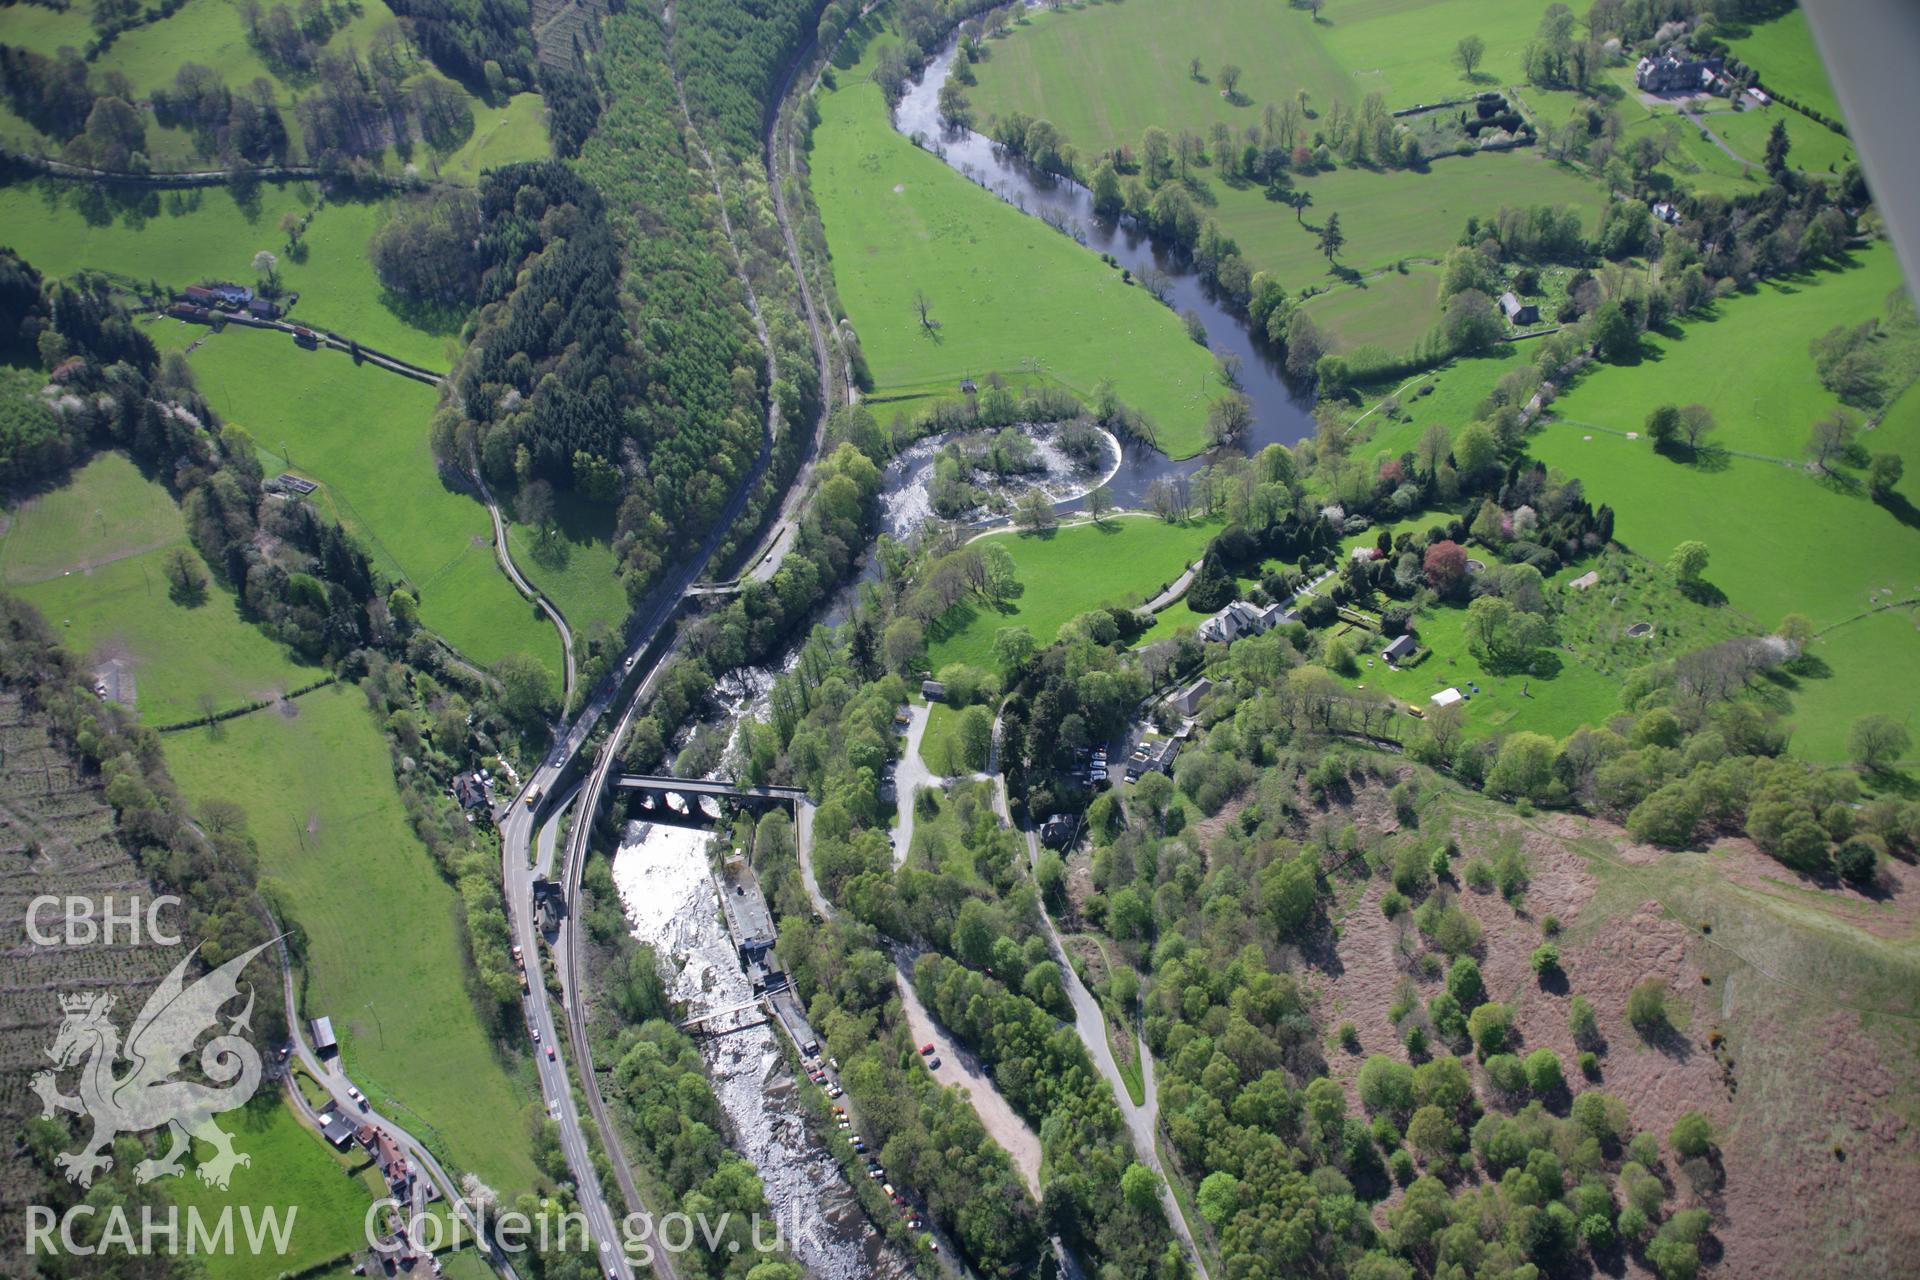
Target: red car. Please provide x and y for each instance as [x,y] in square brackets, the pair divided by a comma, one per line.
[549,1053]
[927,1049]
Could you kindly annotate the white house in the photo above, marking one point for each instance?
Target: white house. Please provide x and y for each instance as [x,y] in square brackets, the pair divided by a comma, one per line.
[1243,618]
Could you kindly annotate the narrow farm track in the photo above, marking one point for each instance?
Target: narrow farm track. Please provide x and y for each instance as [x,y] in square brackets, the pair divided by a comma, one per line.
[505,555]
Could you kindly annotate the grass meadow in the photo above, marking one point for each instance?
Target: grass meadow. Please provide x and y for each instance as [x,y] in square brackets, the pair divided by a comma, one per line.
[181,237]
[1125,561]
[1102,73]
[108,511]
[575,565]
[1781,539]
[292,1168]
[1392,311]
[1782,50]
[362,433]
[383,952]
[501,135]
[1458,389]
[213,33]
[117,529]
[1392,214]
[1011,295]
[1762,406]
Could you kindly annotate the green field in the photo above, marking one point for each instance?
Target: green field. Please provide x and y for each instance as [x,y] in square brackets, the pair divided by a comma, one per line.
[940,745]
[1104,72]
[1868,664]
[115,604]
[1392,214]
[294,1169]
[1010,294]
[575,566]
[1899,432]
[1696,162]
[384,957]
[1391,311]
[182,237]
[1125,561]
[108,511]
[501,135]
[362,432]
[1781,540]
[1458,389]
[1783,52]
[1762,406]
[213,33]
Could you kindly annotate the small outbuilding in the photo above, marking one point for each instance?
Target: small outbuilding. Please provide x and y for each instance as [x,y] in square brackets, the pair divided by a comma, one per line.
[323,1039]
[337,1128]
[1187,701]
[1447,698]
[1402,647]
[1518,312]
[933,691]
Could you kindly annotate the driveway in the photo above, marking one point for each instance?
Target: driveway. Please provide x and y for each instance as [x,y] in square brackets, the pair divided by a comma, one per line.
[910,776]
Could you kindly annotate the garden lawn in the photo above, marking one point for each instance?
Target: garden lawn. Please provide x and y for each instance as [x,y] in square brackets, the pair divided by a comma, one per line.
[1763,406]
[1555,705]
[501,135]
[294,1173]
[183,658]
[1783,52]
[1103,73]
[1698,163]
[940,744]
[1010,294]
[1125,561]
[362,433]
[181,237]
[384,957]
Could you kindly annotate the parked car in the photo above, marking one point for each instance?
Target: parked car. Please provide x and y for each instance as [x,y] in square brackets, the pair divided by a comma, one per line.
[927,1049]
[933,1063]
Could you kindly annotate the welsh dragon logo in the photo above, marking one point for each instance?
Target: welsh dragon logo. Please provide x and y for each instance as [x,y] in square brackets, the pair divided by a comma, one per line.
[147,1097]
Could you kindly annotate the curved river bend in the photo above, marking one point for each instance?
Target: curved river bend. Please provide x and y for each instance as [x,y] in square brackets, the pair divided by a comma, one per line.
[1281,415]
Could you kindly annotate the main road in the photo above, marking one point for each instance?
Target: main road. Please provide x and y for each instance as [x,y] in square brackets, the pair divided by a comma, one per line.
[519,822]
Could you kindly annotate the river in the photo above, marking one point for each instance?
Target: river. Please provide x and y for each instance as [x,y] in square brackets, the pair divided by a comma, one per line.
[662,875]
[1281,415]
[662,871]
